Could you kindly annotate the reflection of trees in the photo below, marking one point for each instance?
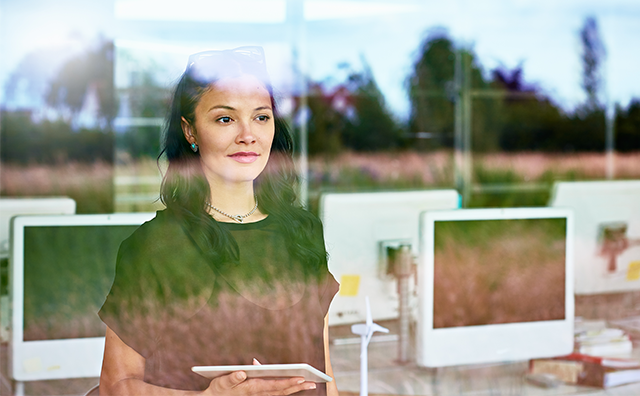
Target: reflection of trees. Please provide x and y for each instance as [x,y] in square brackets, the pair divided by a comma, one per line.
[593,53]
[327,119]
[77,124]
[89,73]
[145,99]
[509,113]
[351,115]
[431,91]
[529,120]
[373,127]
[627,127]
[27,142]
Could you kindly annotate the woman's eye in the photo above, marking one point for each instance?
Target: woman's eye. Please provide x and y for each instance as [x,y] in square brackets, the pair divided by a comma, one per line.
[262,118]
[224,120]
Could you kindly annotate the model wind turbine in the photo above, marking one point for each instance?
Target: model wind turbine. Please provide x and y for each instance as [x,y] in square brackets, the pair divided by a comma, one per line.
[365,331]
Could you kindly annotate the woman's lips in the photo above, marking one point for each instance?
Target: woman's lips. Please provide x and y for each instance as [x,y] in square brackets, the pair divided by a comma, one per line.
[244,157]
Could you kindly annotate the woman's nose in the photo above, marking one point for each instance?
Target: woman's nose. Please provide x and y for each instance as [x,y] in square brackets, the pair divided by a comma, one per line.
[245,134]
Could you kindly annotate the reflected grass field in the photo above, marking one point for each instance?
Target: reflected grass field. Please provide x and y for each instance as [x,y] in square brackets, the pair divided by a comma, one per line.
[499,271]
[411,169]
[351,172]
[90,185]
[93,188]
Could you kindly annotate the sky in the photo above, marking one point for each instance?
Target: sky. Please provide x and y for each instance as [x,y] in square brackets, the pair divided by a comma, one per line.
[540,35]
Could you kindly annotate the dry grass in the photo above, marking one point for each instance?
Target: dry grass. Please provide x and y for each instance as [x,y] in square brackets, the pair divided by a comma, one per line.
[532,166]
[481,282]
[429,168]
[437,168]
[137,186]
[90,185]
[535,172]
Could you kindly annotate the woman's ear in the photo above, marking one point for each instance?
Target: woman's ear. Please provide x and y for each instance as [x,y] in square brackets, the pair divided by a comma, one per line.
[188,131]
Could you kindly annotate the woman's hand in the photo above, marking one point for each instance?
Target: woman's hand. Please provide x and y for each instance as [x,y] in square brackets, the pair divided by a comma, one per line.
[123,374]
[237,384]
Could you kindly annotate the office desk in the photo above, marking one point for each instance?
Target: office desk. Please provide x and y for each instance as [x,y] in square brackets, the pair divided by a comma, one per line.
[387,377]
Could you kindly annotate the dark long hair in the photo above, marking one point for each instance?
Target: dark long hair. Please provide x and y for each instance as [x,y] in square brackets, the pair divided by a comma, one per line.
[185,189]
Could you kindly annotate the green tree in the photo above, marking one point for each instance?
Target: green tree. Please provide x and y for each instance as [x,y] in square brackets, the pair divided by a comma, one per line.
[432,93]
[535,122]
[593,53]
[48,142]
[585,128]
[29,139]
[627,127]
[90,70]
[326,123]
[351,115]
[530,120]
[372,127]
[431,90]
[145,98]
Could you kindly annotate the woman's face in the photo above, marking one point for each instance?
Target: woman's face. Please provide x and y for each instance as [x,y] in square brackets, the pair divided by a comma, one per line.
[234,129]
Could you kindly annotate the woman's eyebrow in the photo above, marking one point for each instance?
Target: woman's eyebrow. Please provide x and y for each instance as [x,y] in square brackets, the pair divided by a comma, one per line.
[225,107]
[221,107]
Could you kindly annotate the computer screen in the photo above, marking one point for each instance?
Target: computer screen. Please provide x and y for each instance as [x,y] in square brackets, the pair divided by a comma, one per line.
[495,285]
[10,207]
[499,271]
[68,271]
[62,267]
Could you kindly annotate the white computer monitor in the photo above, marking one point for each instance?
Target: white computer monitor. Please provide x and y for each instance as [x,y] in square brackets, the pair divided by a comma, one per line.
[10,207]
[358,229]
[495,285]
[607,238]
[61,269]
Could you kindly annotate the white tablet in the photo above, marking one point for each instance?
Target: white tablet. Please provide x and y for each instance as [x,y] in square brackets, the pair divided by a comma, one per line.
[266,371]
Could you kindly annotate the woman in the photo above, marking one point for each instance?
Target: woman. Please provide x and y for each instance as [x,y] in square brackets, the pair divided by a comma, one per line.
[232,270]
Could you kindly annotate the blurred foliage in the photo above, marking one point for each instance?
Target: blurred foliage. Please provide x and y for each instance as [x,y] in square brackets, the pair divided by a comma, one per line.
[89,73]
[326,123]
[627,127]
[90,185]
[373,127]
[76,126]
[507,112]
[24,141]
[593,53]
[146,99]
[139,141]
[433,93]
[352,116]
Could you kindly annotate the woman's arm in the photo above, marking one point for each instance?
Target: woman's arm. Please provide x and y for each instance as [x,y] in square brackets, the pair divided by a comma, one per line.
[332,388]
[123,371]
[123,375]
